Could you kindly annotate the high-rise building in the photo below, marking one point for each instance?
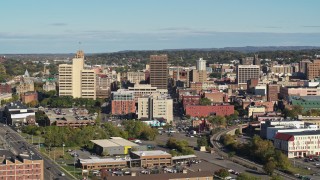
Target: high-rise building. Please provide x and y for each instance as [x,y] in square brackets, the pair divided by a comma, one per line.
[155,106]
[197,76]
[303,65]
[75,80]
[313,69]
[247,72]
[256,60]
[247,61]
[159,71]
[201,64]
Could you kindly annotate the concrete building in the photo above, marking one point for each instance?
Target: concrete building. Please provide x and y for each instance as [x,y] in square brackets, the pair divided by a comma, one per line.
[21,167]
[103,86]
[16,112]
[255,109]
[201,64]
[247,61]
[49,86]
[260,90]
[272,131]
[197,86]
[285,92]
[264,125]
[25,85]
[214,96]
[298,144]
[205,111]
[141,90]
[306,102]
[282,69]
[136,77]
[198,75]
[115,146]
[247,72]
[155,106]
[190,100]
[159,71]
[75,80]
[303,66]
[310,119]
[123,103]
[313,69]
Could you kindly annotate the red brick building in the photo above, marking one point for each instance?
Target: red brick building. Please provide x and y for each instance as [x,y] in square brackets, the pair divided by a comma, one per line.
[5,88]
[29,97]
[272,92]
[182,92]
[190,100]
[196,86]
[204,111]
[123,107]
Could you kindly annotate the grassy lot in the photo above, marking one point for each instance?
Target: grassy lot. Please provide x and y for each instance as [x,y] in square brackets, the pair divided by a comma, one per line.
[34,139]
[77,172]
[302,171]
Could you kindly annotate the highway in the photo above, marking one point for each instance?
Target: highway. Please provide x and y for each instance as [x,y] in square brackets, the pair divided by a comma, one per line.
[215,141]
[17,145]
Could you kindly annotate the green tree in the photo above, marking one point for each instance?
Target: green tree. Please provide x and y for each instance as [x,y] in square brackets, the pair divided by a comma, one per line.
[202,141]
[205,101]
[222,173]
[217,120]
[269,167]
[282,160]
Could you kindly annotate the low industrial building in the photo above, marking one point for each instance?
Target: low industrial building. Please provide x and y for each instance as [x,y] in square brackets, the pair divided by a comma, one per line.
[115,146]
[17,113]
[150,158]
[97,163]
[310,119]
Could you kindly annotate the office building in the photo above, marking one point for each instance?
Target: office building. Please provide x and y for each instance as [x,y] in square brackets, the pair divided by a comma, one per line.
[205,111]
[75,80]
[151,158]
[313,69]
[303,65]
[159,71]
[136,77]
[201,65]
[247,61]
[103,86]
[197,75]
[247,72]
[141,90]
[123,103]
[155,106]
[22,167]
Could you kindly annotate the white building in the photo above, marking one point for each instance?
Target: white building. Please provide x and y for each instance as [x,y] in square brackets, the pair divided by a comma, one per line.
[298,144]
[201,65]
[272,131]
[155,106]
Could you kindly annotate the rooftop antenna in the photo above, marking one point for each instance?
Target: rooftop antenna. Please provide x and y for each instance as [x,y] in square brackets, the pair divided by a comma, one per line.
[79,45]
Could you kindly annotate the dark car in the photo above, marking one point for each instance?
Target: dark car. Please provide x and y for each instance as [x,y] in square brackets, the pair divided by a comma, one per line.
[48,168]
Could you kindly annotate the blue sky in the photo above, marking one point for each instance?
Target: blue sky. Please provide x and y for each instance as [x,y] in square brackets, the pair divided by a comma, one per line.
[56,26]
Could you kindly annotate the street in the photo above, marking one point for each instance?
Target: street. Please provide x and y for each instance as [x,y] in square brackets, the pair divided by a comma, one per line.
[18,145]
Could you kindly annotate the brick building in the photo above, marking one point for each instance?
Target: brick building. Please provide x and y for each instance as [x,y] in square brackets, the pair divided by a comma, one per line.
[123,103]
[5,88]
[204,111]
[190,100]
[272,92]
[214,96]
[29,97]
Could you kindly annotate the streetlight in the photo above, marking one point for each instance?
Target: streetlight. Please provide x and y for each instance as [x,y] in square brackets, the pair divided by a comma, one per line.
[63,148]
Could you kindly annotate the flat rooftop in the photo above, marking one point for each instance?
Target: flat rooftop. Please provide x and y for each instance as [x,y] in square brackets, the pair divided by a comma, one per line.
[103,160]
[150,153]
[304,133]
[113,142]
[184,157]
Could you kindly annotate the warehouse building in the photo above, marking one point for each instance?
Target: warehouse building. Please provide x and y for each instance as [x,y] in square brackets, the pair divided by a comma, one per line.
[115,146]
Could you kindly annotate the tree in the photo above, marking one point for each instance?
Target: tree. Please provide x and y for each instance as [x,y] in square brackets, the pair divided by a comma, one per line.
[222,173]
[202,141]
[282,160]
[269,167]
[276,178]
[237,132]
[205,101]
[217,120]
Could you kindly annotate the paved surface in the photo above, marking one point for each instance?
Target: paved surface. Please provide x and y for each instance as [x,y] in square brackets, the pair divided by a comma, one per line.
[19,144]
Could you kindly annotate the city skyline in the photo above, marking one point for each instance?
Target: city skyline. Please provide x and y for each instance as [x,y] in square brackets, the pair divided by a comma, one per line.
[108,26]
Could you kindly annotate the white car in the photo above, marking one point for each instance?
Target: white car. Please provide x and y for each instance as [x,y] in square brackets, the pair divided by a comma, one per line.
[317,164]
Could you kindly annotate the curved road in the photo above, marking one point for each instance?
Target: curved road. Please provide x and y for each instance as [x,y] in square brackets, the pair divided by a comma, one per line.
[215,141]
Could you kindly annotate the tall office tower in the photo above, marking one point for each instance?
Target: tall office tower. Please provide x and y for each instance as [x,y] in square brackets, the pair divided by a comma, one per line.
[313,69]
[256,60]
[247,61]
[247,72]
[159,71]
[201,64]
[76,81]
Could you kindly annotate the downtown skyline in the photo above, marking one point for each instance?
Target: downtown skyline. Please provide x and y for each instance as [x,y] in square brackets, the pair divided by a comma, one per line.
[109,26]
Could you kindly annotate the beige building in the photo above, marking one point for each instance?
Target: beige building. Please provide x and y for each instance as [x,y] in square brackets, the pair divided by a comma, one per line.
[159,71]
[26,85]
[255,109]
[198,76]
[76,81]
[141,90]
[155,106]
[49,86]
[247,72]
[135,77]
[282,69]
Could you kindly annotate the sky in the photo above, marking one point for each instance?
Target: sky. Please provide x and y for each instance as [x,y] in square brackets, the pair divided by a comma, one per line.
[96,26]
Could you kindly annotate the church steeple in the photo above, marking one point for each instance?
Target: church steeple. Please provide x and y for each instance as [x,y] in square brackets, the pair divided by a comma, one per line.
[26,74]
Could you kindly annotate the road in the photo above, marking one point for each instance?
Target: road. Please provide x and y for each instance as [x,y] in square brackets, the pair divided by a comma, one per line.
[18,145]
[217,147]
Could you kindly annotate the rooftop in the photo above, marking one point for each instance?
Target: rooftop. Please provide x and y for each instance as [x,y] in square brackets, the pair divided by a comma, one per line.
[114,141]
[150,153]
[304,133]
[104,160]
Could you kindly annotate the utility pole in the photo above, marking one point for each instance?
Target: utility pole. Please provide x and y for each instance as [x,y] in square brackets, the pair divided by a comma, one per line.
[63,148]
